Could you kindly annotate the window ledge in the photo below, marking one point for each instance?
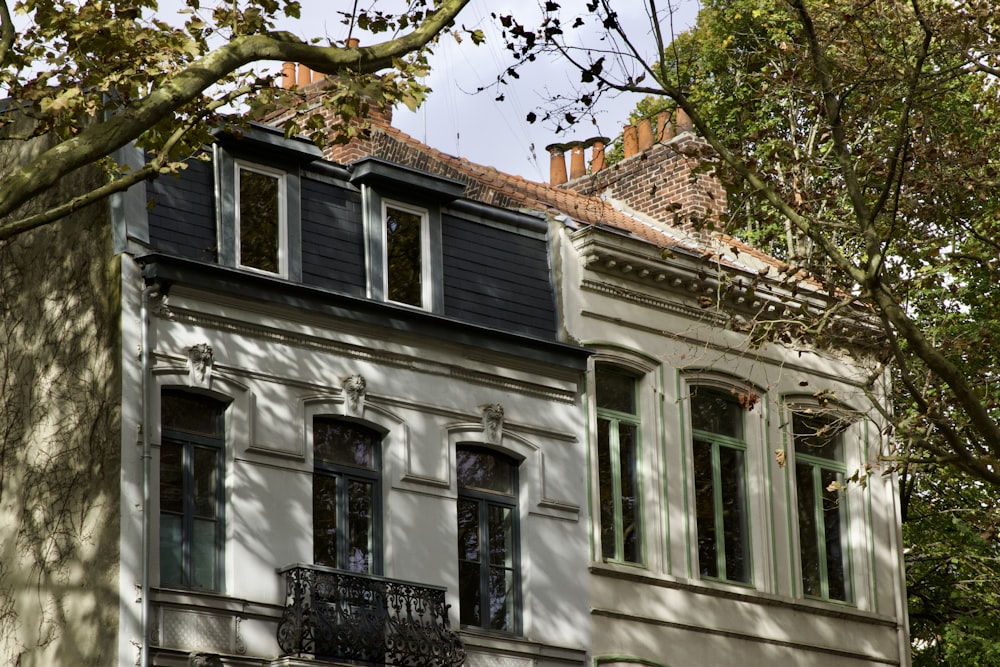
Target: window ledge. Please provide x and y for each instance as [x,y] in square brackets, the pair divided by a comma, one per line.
[478,641]
[219,602]
[741,594]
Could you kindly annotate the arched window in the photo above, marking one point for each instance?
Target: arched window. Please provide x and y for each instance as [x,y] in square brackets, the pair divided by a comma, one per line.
[720,478]
[347,523]
[820,467]
[192,496]
[618,463]
[488,551]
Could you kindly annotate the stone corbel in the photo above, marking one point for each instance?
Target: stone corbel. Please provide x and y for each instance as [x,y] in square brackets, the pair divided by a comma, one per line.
[492,423]
[354,395]
[200,362]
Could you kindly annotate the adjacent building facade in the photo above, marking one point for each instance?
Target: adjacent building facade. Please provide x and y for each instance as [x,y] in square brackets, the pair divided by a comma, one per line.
[380,405]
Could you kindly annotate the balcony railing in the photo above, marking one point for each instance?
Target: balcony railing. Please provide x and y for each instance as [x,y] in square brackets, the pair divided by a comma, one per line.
[362,618]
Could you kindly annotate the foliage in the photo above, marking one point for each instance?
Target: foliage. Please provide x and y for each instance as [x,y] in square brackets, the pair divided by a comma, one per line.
[859,141]
[951,531]
[64,67]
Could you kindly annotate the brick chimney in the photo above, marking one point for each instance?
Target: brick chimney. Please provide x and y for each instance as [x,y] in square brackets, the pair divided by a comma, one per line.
[658,174]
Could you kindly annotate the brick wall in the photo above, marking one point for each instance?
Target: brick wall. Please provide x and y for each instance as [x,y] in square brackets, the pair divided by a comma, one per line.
[663,182]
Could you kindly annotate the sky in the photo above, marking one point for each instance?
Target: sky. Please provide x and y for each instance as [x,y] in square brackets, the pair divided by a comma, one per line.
[458,121]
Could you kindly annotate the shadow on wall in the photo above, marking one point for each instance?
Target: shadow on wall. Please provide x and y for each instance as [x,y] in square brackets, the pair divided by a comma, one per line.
[60,429]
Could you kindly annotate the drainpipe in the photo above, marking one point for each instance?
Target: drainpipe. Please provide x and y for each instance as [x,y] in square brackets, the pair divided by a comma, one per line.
[149,292]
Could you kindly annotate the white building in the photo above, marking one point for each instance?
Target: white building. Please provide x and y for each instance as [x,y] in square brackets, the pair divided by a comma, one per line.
[353,389]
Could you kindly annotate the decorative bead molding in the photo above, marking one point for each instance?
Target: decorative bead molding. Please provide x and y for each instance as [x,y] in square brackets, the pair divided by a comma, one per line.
[200,362]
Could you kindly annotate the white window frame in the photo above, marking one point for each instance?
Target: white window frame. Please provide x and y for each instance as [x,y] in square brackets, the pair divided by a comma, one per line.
[426,269]
[283,240]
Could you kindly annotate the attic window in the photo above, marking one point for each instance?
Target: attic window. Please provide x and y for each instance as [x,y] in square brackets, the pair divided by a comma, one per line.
[406,248]
[261,225]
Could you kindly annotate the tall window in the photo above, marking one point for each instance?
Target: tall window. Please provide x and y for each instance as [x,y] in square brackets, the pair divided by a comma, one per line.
[260,219]
[617,464]
[191,491]
[823,549]
[347,496]
[406,263]
[720,486]
[488,577]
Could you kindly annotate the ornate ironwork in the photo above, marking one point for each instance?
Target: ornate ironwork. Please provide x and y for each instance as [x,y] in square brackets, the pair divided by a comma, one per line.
[330,613]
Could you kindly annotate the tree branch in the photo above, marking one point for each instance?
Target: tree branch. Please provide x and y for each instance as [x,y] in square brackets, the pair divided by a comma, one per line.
[105,136]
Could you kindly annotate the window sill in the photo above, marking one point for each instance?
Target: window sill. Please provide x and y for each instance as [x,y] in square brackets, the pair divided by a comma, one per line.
[478,641]
[741,593]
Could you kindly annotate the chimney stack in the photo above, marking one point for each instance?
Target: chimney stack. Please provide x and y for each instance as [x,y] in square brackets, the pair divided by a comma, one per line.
[557,163]
[577,163]
[645,134]
[597,161]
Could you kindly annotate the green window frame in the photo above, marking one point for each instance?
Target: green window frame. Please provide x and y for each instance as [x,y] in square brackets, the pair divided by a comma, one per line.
[347,495]
[720,478]
[489,576]
[618,451]
[191,491]
[820,469]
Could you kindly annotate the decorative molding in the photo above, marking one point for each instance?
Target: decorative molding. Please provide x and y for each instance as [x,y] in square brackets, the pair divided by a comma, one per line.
[239,642]
[492,423]
[200,363]
[645,299]
[368,354]
[355,391]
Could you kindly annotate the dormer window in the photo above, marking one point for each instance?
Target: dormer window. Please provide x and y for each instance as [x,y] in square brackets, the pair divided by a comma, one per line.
[261,220]
[407,245]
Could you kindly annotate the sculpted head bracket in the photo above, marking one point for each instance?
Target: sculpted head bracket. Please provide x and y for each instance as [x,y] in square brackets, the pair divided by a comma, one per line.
[354,394]
[200,362]
[492,422]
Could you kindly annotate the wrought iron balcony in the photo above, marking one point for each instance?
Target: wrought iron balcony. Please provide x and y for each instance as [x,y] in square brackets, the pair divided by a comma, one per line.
[339,615]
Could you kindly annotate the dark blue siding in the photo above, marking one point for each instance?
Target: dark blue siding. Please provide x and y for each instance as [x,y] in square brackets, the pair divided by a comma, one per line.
[333,254]
[497,278]
[182,216]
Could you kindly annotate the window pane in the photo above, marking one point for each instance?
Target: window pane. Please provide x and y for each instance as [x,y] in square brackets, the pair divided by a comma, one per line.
[325,520]
[627,446]
[171,549]
[469,588]
[203,555]
[259,221]
[812,579]
[607,493]
[484,470]
[817,436]
[704,502]
[206,491]
[468,530]
[192,413]
[361,516]
[403,256]
[172,478]
[501,599]
[734,513]
[345,443]
[615,389]
[716,412]
[501,536]
[836,553]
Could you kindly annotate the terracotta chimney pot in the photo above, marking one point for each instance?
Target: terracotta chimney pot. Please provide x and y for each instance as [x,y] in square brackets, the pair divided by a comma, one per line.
[597,161]
[305,75]
[683,121]
[577,161]
[664,128]
[287,75]
[557,164]
[353,42]
[631,141]
[645,134]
